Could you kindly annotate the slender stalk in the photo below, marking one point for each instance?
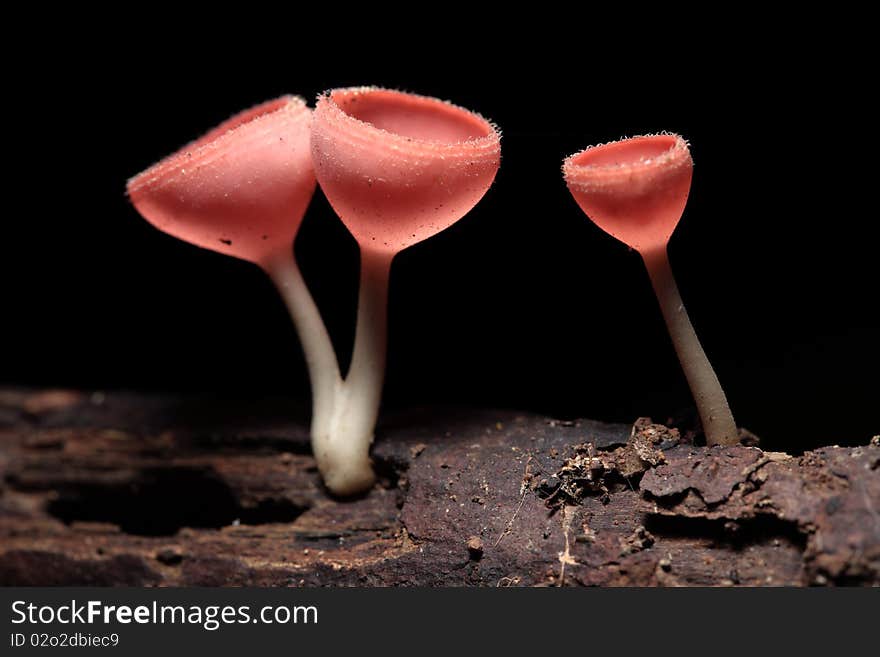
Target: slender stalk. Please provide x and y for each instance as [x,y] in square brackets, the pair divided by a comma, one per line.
[718,423]
[344,412]
[366,374]
[320,356]
[343,450]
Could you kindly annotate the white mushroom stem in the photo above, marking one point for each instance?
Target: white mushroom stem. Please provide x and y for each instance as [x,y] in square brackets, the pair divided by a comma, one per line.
[718,424]
[342,446]
[320,356]
[344,412]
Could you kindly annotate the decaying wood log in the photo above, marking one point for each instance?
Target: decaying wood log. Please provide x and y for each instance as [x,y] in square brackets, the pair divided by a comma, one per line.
[126,489]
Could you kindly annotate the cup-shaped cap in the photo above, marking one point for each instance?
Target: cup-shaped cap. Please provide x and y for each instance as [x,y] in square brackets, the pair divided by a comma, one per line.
[635,189]
[242,189]
[398,167]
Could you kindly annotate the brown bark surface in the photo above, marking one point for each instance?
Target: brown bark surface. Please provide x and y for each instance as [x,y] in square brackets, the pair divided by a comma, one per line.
[127,489]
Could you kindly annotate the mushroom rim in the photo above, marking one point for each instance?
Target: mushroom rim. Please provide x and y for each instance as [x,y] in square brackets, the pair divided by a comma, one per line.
[204,149]
[358,128]
[676,155]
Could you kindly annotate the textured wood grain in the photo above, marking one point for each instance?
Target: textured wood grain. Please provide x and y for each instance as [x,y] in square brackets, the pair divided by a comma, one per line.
[128,489]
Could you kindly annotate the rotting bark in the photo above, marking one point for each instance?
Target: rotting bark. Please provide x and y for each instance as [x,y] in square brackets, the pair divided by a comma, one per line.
[126,489]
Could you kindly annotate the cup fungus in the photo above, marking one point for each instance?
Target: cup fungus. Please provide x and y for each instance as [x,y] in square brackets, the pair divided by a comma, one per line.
[636,190]
[242,189]
[397,168]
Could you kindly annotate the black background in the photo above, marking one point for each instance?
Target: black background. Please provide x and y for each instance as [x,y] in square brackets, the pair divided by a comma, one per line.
[524,303]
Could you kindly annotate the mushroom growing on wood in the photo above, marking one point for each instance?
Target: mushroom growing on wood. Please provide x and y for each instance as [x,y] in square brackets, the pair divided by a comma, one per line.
[397,168]
[636,190]
[242,189]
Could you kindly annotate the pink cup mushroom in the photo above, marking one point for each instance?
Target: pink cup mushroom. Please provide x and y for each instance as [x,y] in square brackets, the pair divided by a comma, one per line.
[397,168]
[636,190]
[242,189]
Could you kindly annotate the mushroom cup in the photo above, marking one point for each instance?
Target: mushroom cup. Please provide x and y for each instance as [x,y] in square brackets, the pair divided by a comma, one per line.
[242,189]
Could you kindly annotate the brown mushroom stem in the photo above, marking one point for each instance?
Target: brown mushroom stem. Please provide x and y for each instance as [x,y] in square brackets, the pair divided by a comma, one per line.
[718,424]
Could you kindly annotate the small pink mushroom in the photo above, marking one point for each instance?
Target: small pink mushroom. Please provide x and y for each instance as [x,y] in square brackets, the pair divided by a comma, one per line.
[397,168]
[242,189]
[636,190]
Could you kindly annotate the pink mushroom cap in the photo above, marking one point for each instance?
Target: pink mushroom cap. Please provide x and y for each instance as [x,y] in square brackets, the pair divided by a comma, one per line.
[242,189]
[398,167]
[634,189]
